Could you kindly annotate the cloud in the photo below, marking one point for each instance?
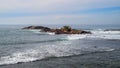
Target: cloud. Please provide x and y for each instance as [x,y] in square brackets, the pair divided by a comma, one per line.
[53,5]
[58,11]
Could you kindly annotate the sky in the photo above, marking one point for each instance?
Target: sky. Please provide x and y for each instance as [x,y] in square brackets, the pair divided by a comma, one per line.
[59,12]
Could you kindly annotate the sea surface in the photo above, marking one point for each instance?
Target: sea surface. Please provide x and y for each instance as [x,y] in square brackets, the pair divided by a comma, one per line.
[34,49]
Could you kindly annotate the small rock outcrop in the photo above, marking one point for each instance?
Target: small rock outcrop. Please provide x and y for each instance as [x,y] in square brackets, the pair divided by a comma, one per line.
[63,30]
[38,27]
[112,30]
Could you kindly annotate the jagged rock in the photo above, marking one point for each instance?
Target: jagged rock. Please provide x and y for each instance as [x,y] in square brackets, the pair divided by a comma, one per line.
[63,30]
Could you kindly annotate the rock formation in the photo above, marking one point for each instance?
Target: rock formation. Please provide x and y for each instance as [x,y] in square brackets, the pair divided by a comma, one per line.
[36,27]
[63,30]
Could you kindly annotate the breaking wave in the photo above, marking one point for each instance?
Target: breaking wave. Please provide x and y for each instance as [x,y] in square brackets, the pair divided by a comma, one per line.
[101,34]
[105,32]
[75,37]
[64,48]
[38,31]
[47,51]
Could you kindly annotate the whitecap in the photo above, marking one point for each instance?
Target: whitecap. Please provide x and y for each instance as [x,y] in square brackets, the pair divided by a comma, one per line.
[50,33]
[77,36]
[45,51]
[105,32]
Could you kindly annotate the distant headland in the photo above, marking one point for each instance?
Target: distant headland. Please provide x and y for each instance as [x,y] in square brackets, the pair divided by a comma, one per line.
[63,30]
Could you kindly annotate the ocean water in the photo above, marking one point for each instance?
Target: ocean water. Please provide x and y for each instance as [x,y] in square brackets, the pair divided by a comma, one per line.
[34,49]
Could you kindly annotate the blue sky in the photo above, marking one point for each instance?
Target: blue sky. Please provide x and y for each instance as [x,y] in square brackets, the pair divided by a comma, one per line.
[60,12]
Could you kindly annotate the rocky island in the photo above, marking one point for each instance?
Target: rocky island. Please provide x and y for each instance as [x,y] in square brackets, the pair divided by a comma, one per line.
[63,30]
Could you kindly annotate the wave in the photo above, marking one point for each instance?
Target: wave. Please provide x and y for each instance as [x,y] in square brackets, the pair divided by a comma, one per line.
[105,32]
[109,37]
[38,31]
[47,51]
[99,34]
[32,42]
[76,37]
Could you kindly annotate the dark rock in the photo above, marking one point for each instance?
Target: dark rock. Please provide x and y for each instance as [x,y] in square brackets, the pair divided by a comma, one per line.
[112,30]
[85,32]
[63,30]
[37,27]
[45,29]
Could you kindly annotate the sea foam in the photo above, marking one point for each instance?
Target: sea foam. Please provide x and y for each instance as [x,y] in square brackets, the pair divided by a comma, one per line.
[76,37]
[96,34]
[38,31]
[46,51]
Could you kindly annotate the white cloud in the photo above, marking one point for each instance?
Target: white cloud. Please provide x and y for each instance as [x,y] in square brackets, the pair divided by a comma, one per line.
[56,6]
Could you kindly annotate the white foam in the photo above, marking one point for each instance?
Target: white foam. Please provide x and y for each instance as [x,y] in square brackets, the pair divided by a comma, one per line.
[48,51]
[110,50]
[75,37]
[34,30]
[38,31]
[105,36]
[105,32]
[50,33]
[96,34]
[19,57]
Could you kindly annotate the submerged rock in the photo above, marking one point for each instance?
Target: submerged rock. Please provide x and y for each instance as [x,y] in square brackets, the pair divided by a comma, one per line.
[112,30]
[63,30]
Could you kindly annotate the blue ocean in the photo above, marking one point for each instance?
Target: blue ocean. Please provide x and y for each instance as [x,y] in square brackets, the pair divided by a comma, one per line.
[34,49]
